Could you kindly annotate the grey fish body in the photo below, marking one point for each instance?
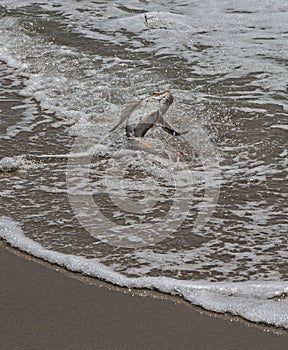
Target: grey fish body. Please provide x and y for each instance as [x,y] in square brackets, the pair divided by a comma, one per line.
[146,123]
[139,123]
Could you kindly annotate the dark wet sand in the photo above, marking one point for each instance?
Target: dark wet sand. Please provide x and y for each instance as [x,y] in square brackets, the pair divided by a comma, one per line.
[45,309]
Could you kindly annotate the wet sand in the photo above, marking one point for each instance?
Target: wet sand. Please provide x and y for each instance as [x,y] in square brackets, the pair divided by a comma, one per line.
[42,308]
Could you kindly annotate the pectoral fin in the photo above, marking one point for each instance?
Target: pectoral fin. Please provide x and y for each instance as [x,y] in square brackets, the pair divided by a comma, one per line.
[169,128]
[126,113]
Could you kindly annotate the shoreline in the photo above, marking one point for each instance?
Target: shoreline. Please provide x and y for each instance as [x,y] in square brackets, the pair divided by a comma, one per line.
[63,303]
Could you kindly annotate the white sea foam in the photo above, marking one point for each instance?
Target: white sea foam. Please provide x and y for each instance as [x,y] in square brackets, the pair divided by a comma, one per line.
[279,126]
[72,96]
[256,301]
[11,164]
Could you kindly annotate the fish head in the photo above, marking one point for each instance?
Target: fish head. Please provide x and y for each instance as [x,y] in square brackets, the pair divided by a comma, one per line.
[163,98]
[147,113]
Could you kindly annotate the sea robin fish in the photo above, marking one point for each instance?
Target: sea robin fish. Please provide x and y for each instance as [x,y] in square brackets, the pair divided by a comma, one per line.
[144,114]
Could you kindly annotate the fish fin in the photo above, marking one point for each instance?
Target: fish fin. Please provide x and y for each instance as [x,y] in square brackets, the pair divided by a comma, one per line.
[126,113]
[169,128]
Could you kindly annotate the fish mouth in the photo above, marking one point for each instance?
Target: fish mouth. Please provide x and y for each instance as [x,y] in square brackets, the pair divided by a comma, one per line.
[162,94]
[159,93]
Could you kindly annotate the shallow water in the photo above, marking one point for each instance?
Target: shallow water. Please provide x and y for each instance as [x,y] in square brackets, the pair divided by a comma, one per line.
[66,72]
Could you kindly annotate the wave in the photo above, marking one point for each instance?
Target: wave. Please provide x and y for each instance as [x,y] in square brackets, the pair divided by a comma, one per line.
[256,301]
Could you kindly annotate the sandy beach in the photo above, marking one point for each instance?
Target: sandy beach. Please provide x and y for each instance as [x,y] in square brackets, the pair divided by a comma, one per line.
[42,308]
